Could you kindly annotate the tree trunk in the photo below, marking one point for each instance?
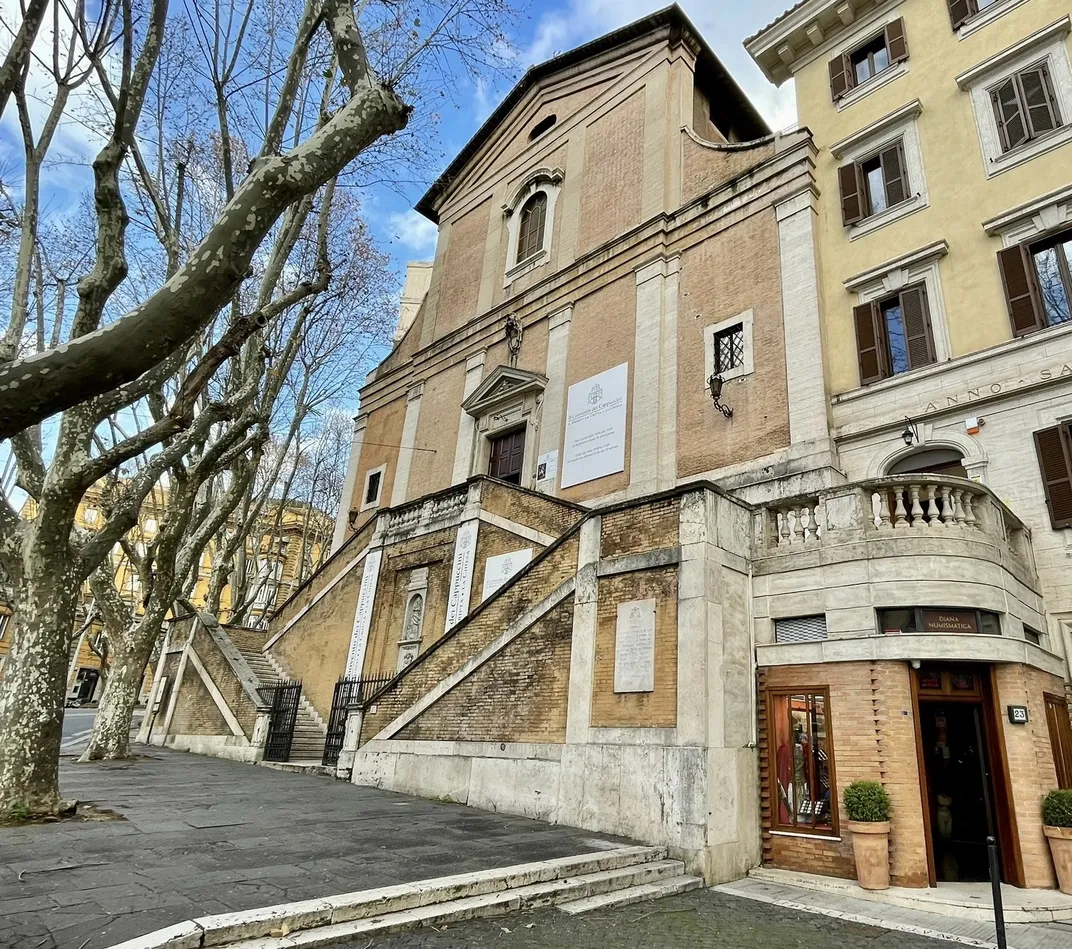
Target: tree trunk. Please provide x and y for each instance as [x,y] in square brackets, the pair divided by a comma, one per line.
[33,685]
[110,740]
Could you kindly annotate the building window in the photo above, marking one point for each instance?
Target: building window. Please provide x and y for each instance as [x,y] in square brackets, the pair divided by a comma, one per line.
[150,525]
[960,11]
[544,125]
[803,766]
[865,61]
[507,456]
[894,334]
[373,488]
[800,629]
[728,347]
[531,230]
[1025,106]
[939,620]
[1053,446]
[90,515]
[874,184]
[1032,635]
[1037,277]
[5,619]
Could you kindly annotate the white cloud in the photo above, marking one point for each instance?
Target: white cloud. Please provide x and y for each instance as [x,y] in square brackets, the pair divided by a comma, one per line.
[723,23]
[413,230]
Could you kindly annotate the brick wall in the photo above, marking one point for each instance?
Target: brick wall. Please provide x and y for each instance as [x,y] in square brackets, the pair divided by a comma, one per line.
[538,511]
[873,727]
[195,712]
[707,168]
[712,290]
[656,709]
[223,675]
[519,695]
[472,636]
[437,428]
[614,173]
[493,542]
[463,266]
[639,528]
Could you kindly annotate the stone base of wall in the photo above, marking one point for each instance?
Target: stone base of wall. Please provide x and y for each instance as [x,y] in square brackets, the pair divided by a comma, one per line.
[652,793]
[218,746]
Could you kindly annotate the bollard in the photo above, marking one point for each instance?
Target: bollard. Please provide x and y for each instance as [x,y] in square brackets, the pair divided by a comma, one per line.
[995,887]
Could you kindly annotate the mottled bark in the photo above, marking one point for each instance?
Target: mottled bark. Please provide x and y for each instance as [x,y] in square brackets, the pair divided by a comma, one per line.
[18,56]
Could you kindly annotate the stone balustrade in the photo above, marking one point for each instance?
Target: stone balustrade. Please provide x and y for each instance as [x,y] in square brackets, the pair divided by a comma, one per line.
[905,505]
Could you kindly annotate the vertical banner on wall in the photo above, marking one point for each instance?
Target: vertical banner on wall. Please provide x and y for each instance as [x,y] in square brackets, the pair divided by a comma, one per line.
[370,577]
[461,573]
[594,442]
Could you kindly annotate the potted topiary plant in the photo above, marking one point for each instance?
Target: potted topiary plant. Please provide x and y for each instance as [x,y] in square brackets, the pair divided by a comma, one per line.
[1057,825]
[868,808]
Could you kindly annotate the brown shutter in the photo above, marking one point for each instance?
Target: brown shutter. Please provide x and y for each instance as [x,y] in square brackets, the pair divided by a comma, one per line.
[896,44]
[1038,101]
[852,193]
[959,11]
[870,343]
[1009,113]
[893,173]
[842,78]
[919,338]
[1055,463]
[1060,728]
[1021,289]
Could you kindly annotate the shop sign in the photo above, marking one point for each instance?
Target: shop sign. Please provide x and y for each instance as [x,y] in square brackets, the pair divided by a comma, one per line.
[1018,714]
[950,621]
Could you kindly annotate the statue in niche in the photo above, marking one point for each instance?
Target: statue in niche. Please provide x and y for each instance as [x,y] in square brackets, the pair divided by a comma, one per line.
[414,616]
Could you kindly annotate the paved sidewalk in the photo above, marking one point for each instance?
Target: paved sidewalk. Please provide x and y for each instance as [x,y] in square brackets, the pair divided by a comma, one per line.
[970,932]
[202,835]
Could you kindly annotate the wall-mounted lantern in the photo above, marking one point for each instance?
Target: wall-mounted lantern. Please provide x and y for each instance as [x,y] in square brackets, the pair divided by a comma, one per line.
[715,385]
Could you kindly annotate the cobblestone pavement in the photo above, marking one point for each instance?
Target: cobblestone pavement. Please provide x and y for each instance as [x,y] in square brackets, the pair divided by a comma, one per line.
[696,920]
[201,836]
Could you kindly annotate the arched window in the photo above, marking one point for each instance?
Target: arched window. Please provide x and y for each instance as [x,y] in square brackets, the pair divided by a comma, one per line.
[531,229]
[945,461]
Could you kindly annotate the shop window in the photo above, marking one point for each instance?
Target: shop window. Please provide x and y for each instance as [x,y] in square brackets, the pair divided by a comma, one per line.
[800,629]
[927,619]
[803,768]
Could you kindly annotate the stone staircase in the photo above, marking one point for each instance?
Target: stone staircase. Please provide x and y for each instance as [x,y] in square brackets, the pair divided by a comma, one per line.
[310,731]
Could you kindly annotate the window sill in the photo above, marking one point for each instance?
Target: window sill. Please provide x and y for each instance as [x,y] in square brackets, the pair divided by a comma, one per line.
[526,266]
[832,837]
[868,86]
[986,17]
[1029,150]
[876,221]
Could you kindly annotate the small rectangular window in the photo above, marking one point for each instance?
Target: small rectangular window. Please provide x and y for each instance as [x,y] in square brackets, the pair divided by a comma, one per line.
[873,184]
[870,59]
[1032,635]
[372,487]
[802,772]
[800,629]
[729,349]
[894,334]
[5,618]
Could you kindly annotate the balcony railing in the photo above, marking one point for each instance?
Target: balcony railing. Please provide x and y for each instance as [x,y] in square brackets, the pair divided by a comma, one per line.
[898,505]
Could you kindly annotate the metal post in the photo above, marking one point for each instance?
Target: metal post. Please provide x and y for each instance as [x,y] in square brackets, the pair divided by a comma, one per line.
[995,886]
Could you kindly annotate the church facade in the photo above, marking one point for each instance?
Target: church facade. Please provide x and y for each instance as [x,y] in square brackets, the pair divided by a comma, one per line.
[600,559]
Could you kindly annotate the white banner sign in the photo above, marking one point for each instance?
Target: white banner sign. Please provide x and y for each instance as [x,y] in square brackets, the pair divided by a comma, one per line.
[497,570]
[370,577]
[634,647]
[595,427]
[461,574]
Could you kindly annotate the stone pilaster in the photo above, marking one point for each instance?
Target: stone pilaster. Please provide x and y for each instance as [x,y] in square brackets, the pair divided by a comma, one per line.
[409,439]
[342,519]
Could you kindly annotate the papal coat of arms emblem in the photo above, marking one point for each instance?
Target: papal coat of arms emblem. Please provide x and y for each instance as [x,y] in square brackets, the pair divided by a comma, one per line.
[595,394]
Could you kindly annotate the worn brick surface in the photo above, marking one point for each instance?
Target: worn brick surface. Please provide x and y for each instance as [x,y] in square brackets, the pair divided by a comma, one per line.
[656,709]
[460,282]
[707,168]
[639,528]
[538,511]
[520,694]
[196,713]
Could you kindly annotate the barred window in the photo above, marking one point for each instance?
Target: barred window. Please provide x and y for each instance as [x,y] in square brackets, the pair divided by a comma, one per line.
[800,629]
[729,349]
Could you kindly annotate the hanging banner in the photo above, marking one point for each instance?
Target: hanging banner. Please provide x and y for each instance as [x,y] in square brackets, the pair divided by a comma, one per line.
[370,577]
[594,442]
[461,573]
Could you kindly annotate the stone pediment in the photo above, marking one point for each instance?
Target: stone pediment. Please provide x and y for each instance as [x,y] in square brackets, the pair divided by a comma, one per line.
[504,384]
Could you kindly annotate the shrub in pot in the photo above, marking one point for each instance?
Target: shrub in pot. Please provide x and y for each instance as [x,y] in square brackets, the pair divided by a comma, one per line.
[867,805]
[1057,825]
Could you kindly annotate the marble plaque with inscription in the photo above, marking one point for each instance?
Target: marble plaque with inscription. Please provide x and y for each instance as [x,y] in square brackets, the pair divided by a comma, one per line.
[634,647]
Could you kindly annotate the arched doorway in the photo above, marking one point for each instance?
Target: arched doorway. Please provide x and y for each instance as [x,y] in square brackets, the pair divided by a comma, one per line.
[946,461]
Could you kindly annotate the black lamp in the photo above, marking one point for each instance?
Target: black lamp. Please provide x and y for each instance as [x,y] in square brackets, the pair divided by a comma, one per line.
[910,435]
[715,385]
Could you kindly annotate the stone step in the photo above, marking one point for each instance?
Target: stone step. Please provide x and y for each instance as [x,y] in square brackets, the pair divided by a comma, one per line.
[633,894]
[410,906]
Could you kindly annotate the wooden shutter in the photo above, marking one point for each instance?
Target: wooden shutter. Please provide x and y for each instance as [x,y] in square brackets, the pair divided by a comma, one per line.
[852,193]
[871,343]
[893,173]
[959,11]
[1009,114]
[1055,464]
[919,337]
[896,44]
[1060,728]
[1021,289]
[1037,100]
[842,77]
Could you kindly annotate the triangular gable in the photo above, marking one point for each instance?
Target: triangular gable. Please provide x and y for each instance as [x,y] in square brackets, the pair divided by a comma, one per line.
[504,383]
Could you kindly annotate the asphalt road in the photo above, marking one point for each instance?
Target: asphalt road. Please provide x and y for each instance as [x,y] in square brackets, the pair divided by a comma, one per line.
[78,725]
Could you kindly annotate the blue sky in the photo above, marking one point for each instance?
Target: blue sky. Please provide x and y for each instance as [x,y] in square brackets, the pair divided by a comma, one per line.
[554,26]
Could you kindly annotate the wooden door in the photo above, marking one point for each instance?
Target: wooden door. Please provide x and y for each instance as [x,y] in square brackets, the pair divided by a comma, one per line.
[1060,738]
[507,456]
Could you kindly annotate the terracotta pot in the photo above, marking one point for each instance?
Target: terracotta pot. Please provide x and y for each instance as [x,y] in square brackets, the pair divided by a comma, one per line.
[871,848]
[1061,851]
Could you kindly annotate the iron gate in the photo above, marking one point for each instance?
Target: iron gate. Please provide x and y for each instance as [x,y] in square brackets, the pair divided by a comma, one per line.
[284,698]
[347,692]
